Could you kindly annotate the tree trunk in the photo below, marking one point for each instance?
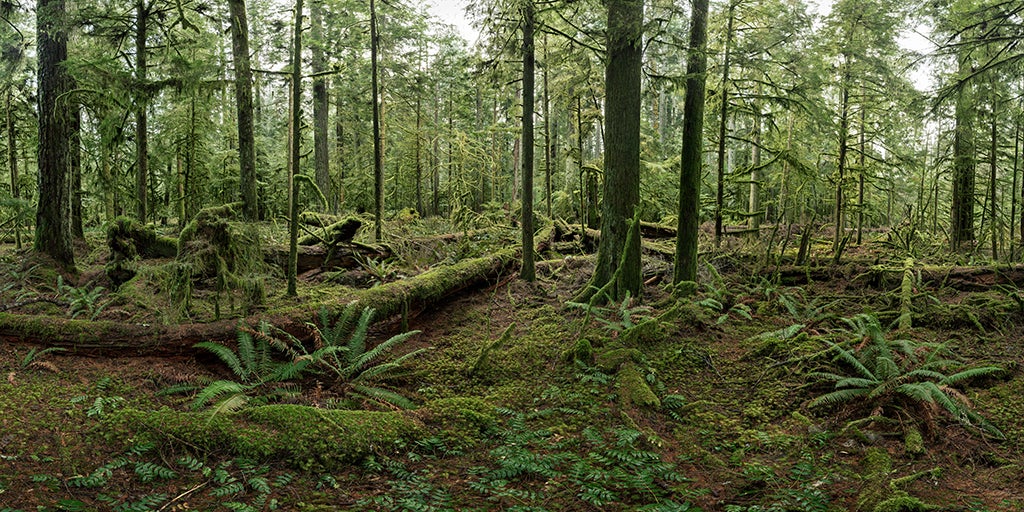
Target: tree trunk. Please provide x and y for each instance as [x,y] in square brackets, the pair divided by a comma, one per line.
[141,119]
[295,140]
[378,169]
[993,156]
[548,156]
[528,272]
[75,166]
[321,106]
[693,140]
[12,158]
[754,203]
[618,255]
[243,104]
[53,225]
[962,208]
[839,210]
[722,123]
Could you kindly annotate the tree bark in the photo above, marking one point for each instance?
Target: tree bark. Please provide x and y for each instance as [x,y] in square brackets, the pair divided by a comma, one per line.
[528,272]
[243,103]
[962,207]
[722,124]
[141,118]
[12,158]
[618,256]
[296,138]
[693,140]
[53,223]
[378,164]
[321,107]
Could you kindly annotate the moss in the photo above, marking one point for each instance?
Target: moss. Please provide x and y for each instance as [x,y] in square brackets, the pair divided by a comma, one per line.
[582,351]
[305,437]
[913,442]
[877,466]
[645,333]
[633,389]
[465,420]
[902,503]
[612,359]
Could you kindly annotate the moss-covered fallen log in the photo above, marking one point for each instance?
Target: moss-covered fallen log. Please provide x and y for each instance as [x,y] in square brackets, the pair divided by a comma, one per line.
[305,437]
[979,278]
[317,257]
[115,339]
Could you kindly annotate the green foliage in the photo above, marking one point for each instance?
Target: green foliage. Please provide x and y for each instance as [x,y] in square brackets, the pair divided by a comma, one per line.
[82,300]
[899,377]
[341,350]
[259,374]
[616,318]
[33,359]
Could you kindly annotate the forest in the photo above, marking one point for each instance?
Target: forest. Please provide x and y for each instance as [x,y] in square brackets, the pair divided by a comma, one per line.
[661,255]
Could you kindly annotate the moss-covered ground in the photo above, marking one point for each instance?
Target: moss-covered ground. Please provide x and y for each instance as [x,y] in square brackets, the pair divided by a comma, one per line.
[525,401]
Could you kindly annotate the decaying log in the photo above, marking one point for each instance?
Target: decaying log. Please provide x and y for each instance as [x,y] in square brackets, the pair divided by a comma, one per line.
[113,339]
[318,257]
[969,279]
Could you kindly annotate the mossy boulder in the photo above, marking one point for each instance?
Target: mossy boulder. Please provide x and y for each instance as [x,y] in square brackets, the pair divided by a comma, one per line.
[304,437]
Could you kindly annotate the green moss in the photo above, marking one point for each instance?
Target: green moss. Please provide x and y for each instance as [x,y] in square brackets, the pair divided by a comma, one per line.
[633,389]
[612,359]
[582,351]
[913,442]
[304,437]
[646,333]
[902,503]
[465,420]
[877,466]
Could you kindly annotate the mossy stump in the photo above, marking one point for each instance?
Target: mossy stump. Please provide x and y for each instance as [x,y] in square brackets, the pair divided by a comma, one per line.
[129,240]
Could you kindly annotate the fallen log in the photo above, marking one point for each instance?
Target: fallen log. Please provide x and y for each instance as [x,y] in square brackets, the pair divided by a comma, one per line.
[318,257]
[113,339]
[968,279]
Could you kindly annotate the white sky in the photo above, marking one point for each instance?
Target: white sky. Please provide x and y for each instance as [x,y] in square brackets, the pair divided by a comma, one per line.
[453,12]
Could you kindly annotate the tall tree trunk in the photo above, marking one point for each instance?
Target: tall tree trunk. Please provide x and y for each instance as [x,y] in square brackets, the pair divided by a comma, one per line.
[339,142]
[618,254]
[528,273]
[722,123]
[962,207]
[75,166]
[243,103]
[993,157]
[12,158]
[839,210]
[548,157]
[295,150]
[53,225]
[141,119]
[378,164]
[693,140]
[321,106]
[1016,173]
[754,203]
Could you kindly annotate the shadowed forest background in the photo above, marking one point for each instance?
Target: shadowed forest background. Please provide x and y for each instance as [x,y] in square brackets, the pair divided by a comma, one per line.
[740,255]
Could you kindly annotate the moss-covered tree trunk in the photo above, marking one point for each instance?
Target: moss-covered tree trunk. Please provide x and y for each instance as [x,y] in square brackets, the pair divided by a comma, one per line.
[141,115]
[293,168]
[528,273]
[693,141]
[617,260]
[378,163]
[321,107]
[243,104]
[53,223]
[12,158]
[962,207]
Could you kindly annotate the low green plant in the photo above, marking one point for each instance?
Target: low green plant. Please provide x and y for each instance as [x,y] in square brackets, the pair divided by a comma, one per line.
[616,318]
[260,377]
[82,300]
[34,359]
[901,378]
[341,349]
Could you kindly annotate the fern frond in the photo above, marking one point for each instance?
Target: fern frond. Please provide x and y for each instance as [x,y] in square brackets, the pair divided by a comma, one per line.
[357,343]
[972,373]
[230,404]
[225,355]
[361,360]
[385,396]
[246,350]
[838,397]
[216,389]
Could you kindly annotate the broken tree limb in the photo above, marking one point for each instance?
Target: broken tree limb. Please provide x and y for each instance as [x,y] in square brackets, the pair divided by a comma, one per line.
[116,339]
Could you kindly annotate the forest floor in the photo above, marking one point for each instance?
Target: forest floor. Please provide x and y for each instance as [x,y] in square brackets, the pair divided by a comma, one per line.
[526,401]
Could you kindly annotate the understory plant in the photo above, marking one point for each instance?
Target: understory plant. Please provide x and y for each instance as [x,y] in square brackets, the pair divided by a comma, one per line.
[899,379]
[340,349]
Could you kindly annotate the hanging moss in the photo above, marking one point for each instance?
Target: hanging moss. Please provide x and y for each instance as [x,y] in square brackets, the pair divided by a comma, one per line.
[217,252]
[129,240]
